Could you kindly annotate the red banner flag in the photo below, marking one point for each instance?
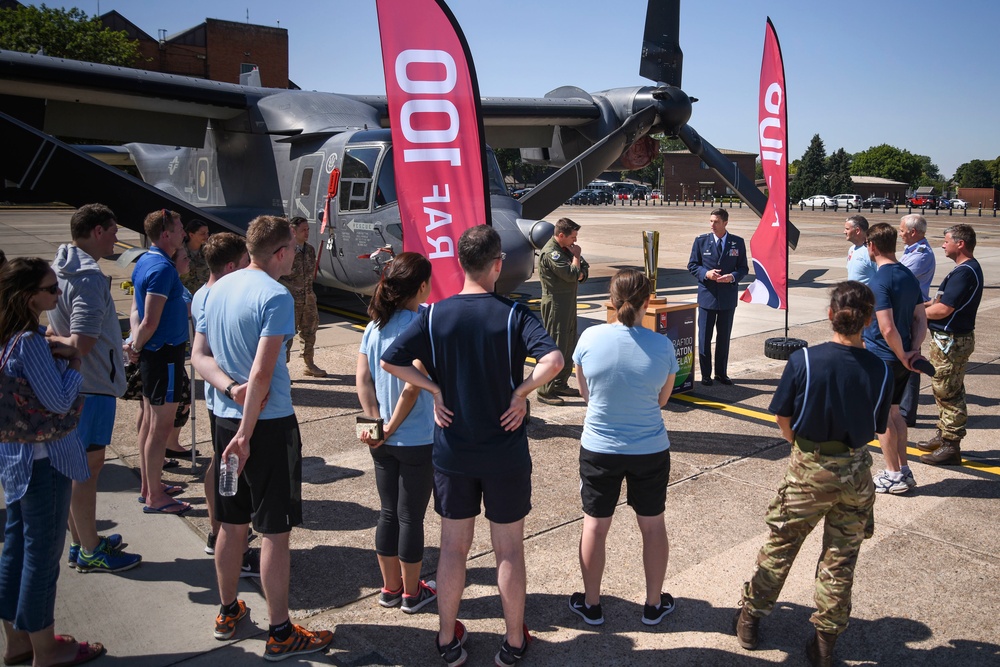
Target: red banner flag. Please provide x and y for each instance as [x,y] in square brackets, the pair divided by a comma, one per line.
[437,135]
[769,244]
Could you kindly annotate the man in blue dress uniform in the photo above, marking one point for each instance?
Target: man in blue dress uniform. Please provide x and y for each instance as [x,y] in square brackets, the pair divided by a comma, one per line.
[719,261]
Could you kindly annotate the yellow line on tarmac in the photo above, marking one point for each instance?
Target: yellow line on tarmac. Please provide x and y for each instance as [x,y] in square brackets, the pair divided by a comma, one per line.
[767,417]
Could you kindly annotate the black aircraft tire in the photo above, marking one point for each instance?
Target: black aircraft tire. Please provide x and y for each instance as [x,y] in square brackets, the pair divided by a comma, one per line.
[782,348]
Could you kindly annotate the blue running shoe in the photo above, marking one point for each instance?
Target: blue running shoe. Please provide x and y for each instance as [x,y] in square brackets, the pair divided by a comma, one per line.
[106,559]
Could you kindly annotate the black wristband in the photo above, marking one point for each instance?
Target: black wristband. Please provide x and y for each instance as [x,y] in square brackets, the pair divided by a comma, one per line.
[229,389]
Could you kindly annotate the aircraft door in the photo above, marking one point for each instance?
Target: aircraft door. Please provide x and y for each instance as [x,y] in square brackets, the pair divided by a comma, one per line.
[305,188]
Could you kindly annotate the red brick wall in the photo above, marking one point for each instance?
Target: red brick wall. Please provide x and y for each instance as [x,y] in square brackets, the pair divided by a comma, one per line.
[684,176]
[231,44]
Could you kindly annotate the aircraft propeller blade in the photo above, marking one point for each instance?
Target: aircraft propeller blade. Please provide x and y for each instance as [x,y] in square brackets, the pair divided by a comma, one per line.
[551,193]
[662,59]
[734,178]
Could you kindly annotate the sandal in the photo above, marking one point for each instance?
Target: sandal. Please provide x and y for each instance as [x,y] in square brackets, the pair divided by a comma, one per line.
[85,652]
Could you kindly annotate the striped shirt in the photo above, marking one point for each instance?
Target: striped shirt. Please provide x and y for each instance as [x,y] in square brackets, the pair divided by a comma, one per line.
[56,386]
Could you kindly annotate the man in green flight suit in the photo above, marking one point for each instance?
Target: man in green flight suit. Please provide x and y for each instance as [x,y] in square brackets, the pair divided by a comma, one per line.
[300,283]
[561,269]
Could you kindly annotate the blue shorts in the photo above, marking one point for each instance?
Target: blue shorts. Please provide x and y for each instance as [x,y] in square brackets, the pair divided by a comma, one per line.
[97,421]
[507,497]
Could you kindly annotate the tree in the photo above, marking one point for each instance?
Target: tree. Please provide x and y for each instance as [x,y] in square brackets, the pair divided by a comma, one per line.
[810,178]
[65,33]
[887,161]
[974,174]
[994,167]
[838,172]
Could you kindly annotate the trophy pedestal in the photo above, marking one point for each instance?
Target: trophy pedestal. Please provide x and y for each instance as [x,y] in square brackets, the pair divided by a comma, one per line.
[676,321]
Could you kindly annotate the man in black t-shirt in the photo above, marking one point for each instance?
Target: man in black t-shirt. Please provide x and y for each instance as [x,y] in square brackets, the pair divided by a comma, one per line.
[474,345]
[951,318]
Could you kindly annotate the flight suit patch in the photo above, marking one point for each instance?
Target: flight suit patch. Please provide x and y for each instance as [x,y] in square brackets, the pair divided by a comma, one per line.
[556,256]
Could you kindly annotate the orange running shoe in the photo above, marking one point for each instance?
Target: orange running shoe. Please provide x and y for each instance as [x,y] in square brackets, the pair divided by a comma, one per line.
[225,624]
[300,642]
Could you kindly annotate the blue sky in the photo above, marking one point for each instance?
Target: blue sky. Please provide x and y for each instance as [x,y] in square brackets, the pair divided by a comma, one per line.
[915,74]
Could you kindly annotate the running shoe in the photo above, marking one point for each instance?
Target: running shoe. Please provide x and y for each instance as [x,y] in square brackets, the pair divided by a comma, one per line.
[454,654]
[251,564]
[225,624]
[210,544]
[388,598]
[508,655]
[886,484]
[74,553]
[426,593]
[908,478]
[592,615]
[653,614]
[299,642]
[106,559]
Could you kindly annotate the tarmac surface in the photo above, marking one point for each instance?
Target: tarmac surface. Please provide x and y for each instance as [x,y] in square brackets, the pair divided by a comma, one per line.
[926,589]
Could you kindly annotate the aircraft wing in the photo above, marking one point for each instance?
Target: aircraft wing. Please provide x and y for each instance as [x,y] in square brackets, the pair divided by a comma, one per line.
[519,122]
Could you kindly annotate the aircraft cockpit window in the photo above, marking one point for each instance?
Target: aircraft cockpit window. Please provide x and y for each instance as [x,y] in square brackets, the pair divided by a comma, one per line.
[305,185]
[356,178]
[385,191]
[495,177]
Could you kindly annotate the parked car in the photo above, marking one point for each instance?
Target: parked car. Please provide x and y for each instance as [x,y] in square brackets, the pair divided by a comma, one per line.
[640,192]
[959,203]
[818,201]
[943,202]
[878,202]
[517,194]
[655,194]
[923,201]
[848,201]
[624,192]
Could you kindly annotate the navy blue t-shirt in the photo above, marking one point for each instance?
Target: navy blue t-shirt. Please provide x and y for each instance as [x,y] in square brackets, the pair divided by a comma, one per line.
[835,392]
[474,347]
[895,287]
[962,289]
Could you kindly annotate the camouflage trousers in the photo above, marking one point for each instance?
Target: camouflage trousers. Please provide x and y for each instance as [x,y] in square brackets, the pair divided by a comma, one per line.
[948,383]
[306,324]
[839,489]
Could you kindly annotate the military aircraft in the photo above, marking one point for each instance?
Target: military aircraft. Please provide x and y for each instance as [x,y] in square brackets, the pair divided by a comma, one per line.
[225,153]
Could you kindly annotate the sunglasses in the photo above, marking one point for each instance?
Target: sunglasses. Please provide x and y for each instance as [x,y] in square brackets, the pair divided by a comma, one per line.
[51,289]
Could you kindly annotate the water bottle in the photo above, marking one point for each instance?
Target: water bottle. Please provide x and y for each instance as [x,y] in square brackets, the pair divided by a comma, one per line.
[228,479]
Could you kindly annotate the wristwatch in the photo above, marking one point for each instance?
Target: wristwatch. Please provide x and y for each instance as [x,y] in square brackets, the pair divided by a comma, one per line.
[229,389]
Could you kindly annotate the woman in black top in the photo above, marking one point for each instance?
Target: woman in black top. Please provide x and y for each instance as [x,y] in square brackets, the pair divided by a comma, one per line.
[829,404]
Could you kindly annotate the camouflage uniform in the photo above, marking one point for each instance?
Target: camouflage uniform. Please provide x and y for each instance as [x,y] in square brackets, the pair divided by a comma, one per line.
[838,488]
[948,383]
[560,280]
[198,274]
[300,283]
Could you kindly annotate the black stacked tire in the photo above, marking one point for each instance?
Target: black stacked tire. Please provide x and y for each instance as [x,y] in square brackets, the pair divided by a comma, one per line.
[782,348]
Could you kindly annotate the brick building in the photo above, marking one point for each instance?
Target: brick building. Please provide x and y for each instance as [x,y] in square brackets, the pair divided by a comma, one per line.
[217,50]
[687,177]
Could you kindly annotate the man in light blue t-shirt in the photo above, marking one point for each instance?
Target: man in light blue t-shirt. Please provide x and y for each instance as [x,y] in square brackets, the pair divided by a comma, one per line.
[248,316]
[860,266]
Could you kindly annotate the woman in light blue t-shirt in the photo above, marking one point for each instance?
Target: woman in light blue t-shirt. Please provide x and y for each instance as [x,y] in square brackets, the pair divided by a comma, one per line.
[404,475]
[626,373]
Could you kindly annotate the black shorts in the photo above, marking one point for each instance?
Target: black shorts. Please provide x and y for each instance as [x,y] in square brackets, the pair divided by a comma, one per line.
[507,496]
[900,376]
[161,372]
[601,478]
[270,488]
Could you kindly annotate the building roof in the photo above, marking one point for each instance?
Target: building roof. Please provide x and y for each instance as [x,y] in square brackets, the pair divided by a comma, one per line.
[724,151]
[115,21]
[875,180]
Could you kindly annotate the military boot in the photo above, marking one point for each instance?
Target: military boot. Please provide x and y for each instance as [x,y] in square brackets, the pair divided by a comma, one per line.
[819,649]
[948,454]
[312,370]
[747,628]
[931,444]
